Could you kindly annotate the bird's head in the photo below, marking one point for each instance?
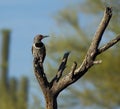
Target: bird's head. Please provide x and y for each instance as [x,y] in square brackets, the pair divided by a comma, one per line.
[38,38]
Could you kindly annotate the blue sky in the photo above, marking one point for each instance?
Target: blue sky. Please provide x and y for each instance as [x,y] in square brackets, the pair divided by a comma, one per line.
[26,18]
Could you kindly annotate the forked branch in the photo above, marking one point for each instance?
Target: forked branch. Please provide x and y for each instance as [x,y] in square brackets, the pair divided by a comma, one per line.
[59,83]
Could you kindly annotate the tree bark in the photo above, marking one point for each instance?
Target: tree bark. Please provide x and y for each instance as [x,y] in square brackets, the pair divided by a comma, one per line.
[51,101]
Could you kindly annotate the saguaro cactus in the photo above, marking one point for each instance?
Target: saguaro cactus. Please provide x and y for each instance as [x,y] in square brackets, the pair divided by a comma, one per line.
[13,94]
[5,56]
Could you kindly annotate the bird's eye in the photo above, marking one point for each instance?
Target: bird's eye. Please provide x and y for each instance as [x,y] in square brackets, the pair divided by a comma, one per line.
[39,44]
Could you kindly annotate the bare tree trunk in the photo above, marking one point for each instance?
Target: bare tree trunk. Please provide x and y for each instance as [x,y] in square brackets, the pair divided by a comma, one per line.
[51,101]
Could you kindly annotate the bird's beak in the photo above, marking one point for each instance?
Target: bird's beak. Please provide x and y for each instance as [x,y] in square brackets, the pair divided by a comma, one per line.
[45,36]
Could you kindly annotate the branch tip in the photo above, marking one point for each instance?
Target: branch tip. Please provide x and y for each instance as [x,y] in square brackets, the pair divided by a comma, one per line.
[108,10]
[97,62]
[67,54]
[108,45]
[74,66]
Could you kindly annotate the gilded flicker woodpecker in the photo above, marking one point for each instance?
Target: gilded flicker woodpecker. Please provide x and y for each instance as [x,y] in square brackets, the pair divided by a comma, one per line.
[38,48]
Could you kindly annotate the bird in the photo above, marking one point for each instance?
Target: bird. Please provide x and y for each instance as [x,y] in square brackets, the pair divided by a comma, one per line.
[38,48]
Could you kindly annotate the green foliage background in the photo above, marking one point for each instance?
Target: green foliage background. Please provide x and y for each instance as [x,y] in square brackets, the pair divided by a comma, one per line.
[100,86]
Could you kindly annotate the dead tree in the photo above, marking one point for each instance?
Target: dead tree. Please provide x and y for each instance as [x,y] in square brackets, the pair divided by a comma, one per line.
[52,89]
